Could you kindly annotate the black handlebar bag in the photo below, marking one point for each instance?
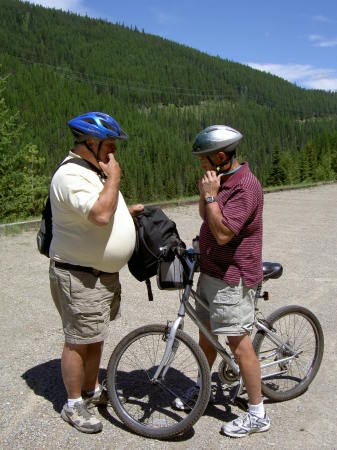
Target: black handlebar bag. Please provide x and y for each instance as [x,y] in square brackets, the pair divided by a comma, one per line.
[170,275]
[154,230]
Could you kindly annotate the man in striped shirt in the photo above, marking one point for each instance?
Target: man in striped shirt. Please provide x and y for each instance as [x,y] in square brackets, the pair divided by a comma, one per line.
[231,205]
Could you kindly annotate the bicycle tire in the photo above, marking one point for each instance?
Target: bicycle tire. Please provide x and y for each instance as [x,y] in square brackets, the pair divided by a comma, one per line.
[290,322]
[130,388]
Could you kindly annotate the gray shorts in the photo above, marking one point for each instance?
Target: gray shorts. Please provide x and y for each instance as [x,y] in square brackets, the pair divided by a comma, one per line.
[86,303]
[232,310]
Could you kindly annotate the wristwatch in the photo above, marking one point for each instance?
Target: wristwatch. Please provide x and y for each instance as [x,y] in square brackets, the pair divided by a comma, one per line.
[210,199]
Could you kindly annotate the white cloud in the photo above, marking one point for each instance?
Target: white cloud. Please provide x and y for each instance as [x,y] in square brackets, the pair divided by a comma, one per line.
[75,6]
[326,43]
[66,5]
[302,74]
[327,84]
[321,18]
[163,18]
[321,41]
[315,37]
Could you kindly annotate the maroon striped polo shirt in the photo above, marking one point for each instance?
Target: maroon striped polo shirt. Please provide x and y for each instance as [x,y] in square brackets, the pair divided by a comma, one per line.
[240,199]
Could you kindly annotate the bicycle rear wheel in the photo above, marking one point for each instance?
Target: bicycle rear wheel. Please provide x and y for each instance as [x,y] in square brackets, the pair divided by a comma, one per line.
[295,363]
[147,407]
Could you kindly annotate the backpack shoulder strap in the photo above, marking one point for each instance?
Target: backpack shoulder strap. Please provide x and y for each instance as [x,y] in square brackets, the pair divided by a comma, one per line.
[83,163]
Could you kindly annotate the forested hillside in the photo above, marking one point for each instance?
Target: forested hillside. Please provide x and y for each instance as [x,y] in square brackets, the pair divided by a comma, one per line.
[55,65]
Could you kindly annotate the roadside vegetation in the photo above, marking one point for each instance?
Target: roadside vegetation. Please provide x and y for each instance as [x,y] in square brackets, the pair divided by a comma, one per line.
[56,65]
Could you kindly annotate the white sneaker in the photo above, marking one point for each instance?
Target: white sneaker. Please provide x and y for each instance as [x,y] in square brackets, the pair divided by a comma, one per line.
[79,417]
[246,424]
[100,398]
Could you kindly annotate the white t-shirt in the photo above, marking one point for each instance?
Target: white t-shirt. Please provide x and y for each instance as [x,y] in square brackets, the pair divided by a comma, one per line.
[74,190]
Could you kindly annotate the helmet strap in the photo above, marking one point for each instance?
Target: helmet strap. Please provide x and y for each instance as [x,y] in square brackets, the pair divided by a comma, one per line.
[98,151]
[102,174]
[232,171]
[220,168]
[92,152]
[210,161]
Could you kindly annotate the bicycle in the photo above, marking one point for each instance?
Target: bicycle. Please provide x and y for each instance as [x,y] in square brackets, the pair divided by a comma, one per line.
[155,364]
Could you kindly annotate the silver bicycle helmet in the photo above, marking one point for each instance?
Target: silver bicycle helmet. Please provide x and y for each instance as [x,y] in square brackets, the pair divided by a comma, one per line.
[215,138]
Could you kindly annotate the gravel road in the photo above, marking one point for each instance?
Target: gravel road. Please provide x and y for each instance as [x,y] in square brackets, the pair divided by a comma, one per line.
[300,231]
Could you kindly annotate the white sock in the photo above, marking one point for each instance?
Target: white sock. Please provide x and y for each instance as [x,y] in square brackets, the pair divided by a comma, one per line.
[256,410]
[71,401]
[91,393]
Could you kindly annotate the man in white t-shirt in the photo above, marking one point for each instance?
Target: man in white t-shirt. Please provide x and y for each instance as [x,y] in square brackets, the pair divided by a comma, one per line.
[93,238]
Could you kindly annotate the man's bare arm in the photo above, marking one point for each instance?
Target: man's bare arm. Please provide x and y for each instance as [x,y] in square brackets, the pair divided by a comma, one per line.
[209,187]
[105,206]
[221,233]
[202,207]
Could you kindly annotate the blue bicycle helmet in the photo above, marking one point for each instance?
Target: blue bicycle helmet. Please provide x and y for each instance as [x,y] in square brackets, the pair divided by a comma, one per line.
[96,125]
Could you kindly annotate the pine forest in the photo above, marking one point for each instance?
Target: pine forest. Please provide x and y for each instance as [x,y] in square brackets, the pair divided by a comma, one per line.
[56,65]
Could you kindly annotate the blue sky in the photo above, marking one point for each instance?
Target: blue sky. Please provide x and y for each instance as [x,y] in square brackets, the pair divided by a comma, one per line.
[296,40]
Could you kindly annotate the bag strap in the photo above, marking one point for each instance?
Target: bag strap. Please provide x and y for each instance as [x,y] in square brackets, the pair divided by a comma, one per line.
[149,289]
[83,163]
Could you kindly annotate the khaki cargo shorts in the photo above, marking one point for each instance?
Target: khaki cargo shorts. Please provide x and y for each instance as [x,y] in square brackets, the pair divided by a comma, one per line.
[86,303]
[232,310]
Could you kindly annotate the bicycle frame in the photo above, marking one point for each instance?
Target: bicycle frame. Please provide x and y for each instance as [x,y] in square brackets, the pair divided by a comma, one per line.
[190,263]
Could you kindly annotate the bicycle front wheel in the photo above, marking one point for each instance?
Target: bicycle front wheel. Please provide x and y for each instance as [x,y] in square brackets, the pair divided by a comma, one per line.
[288,368]
[144,405]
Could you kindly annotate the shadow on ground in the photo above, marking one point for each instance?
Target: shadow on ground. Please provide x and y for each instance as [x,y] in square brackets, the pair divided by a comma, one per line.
[46,381]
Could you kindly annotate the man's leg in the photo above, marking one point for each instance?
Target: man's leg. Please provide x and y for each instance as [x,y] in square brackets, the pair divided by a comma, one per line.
[74,370]
[93,393]
[256,420]
[72,366]
[242,349]
[80,367]
[187,400]
[91,366]
[207,347]
[80,362]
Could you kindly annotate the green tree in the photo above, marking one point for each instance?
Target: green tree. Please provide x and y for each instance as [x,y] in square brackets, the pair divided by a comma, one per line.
[22,188]
[59,65]
[277,174]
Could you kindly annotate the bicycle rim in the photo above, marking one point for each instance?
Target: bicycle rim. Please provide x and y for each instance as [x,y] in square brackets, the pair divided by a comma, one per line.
[295,363]
[147,407]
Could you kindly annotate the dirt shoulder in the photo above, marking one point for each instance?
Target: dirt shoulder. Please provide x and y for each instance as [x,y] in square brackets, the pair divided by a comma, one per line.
[300,231]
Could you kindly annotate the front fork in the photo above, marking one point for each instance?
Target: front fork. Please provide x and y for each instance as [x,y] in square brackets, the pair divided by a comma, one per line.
[170,350]
[172,344]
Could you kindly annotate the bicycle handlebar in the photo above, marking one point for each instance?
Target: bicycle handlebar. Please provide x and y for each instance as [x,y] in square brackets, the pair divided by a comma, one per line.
[175,246]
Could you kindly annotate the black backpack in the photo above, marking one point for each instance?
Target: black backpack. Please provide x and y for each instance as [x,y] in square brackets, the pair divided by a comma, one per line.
[45,233]
[153,231]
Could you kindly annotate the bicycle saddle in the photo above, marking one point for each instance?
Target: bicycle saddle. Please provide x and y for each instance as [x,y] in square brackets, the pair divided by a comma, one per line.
[271,270]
